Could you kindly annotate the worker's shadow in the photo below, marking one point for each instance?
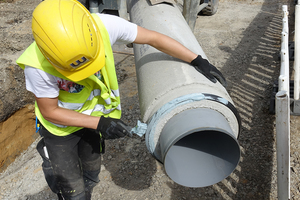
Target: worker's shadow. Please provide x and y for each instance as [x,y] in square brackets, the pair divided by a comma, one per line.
[128,163]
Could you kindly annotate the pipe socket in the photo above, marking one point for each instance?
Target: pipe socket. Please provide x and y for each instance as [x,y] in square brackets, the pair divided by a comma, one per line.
[198,148]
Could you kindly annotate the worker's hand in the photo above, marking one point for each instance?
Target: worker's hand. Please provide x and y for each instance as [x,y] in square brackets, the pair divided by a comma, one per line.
[112,128]
[208,70]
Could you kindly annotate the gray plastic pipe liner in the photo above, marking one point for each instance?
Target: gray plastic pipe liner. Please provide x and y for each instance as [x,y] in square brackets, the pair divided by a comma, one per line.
[193,125]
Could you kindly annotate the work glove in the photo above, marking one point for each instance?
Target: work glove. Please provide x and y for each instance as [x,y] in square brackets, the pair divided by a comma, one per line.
[208,70]
[112,128]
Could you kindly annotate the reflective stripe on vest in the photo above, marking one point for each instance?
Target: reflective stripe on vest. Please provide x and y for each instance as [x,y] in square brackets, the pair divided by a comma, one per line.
[78,106]
[98,107]
[96,98]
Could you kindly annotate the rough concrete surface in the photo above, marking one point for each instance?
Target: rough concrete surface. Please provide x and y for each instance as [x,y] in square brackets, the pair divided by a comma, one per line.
[242,39]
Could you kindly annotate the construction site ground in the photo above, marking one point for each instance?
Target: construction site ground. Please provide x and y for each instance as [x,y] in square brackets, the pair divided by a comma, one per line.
[242,40]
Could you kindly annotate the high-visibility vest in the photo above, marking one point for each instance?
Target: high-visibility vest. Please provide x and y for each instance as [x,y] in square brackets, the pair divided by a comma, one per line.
[95,99]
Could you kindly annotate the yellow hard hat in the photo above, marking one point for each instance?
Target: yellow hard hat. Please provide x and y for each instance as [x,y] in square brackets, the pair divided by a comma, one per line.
[68,36]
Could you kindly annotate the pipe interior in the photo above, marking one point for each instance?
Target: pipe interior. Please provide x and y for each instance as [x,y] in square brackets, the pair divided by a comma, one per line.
[202,158]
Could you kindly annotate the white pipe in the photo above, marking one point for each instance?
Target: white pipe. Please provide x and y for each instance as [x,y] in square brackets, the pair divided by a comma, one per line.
[297,53]
[283,82]
[283,145]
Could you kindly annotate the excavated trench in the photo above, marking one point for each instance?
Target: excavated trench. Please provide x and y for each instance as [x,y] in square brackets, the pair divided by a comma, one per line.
[17,133]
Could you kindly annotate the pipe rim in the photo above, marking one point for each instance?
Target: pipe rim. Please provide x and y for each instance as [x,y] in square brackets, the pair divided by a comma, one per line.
[201,141]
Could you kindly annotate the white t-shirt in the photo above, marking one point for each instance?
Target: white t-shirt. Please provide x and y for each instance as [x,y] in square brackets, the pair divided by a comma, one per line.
[44,85]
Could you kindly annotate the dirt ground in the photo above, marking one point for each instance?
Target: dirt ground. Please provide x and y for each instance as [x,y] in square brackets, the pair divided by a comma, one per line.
[243,40]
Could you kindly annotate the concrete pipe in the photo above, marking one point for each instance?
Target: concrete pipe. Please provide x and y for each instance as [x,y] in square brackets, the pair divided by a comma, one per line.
[193,125]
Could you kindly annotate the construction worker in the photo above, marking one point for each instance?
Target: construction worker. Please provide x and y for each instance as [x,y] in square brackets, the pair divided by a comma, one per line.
[70,70]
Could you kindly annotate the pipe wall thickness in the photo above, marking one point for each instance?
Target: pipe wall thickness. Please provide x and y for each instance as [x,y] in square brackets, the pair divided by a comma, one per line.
[191,121]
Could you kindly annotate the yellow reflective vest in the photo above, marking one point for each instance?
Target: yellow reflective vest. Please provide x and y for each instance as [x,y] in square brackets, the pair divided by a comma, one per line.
[95,99]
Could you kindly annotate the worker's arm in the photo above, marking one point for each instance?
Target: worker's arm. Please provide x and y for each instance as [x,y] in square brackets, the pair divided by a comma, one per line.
[177,50]
[109,128]
[164,44]
[52,112]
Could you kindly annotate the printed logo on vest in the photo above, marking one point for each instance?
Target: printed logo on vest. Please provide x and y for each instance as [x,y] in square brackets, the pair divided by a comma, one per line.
[79,62]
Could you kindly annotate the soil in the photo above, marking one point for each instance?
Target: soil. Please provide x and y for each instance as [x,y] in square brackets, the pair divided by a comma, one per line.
[242,40]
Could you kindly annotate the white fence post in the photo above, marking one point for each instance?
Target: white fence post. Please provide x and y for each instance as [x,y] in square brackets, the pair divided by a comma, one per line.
[283,144]
[282,107]
[297,53]
[283,82]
